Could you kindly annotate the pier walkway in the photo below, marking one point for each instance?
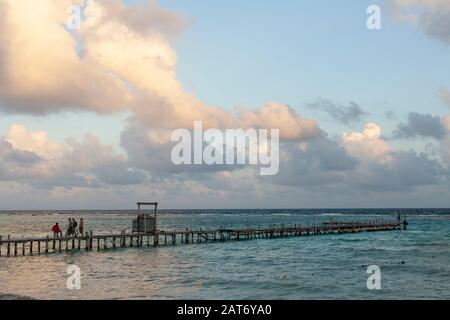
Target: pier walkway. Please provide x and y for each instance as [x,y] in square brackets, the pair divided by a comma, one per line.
[89,241]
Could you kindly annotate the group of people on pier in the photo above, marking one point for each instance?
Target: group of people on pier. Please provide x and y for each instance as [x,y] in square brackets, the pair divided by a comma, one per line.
[71,230]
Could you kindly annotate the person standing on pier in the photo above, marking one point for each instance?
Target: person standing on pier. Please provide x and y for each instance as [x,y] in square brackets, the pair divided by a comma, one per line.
[56,231]
[69,231]
[74,226]
[81,227]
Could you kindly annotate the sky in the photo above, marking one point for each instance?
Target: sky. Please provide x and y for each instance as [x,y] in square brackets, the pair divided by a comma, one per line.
[86,114]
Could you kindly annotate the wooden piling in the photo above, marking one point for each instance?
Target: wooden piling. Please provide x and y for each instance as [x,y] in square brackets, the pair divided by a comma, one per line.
[9,246]
[86,241]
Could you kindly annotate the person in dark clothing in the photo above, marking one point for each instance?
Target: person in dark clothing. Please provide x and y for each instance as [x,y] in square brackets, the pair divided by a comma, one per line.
[81,227]
[69,231]
[74,227]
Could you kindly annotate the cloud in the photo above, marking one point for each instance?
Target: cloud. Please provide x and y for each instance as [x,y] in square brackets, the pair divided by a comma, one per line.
[345,114]
[31,156]
[36,142]
[422,125]
[367,145]
[17,157]
[278,116]
[405,172]
[318,163]
[127,63]
[144,18]
[359,163]
[445,143]
[40,70]
[432,16]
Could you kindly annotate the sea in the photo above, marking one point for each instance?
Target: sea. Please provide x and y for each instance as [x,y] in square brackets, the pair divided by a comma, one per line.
[413,263]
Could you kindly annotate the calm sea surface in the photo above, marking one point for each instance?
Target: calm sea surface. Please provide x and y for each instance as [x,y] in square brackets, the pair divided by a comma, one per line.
[415,264]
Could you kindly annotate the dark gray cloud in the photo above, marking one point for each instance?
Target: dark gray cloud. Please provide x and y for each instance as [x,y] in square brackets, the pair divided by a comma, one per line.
[321,163]
[17,157]
[352,113]
[86,164]
[436,23]
[318,169]
[120,174]
[406,171]
[420,125]
[155,156]
[433,16]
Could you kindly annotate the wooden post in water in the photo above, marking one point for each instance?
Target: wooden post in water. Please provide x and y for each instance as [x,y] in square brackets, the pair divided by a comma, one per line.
[46,245]
[156,238]
[86,241]
[8,252]
[31,247]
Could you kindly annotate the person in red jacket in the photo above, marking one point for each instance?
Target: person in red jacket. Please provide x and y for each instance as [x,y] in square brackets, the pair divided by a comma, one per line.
[56,230]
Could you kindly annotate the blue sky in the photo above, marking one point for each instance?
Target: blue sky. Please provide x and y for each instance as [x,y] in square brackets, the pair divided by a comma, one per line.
[237,52]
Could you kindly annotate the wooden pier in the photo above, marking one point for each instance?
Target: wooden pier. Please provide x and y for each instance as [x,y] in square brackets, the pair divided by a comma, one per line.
[88,242]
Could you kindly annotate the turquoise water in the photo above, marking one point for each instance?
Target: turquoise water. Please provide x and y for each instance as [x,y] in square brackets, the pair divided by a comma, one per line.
[415,264]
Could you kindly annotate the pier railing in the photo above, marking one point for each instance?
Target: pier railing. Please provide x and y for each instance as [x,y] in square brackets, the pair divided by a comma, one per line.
[89,241]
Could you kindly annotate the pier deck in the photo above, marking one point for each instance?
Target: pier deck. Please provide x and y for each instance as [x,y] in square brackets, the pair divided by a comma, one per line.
[89,241]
